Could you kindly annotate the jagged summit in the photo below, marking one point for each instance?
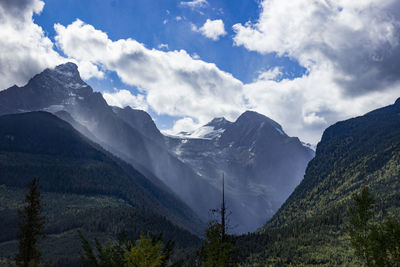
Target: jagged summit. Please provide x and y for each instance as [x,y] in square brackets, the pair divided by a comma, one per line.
[219,123]
[252,118]
[53,89]
[68,68]
[262,165]
[64,72]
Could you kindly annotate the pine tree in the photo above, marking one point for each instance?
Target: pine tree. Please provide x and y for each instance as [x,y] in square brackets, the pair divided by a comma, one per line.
[375,243]
[147,251]
[31,227]
[217,250]
[361,213]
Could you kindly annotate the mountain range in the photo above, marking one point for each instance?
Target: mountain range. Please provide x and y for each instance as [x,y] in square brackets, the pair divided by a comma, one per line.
[105,169]
[262,165]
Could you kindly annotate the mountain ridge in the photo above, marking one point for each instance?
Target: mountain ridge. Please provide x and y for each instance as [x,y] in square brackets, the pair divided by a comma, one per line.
[311,224]
[249,151]
[244,150]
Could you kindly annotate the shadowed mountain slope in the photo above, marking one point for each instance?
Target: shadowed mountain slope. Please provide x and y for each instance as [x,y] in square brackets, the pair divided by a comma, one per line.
[309,228]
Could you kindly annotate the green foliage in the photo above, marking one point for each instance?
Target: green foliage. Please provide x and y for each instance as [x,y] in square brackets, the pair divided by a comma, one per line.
[310,227]
[111,255]
[84,187]
[38,144]
[98,216]
[147,251]
[359,226]
[376,244]
[31,227]
[216,250]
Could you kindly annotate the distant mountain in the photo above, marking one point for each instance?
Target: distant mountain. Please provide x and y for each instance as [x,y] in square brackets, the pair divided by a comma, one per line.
[141,121]
[211,130]
[39,144]
[309,228]
[127,133]
[262,165]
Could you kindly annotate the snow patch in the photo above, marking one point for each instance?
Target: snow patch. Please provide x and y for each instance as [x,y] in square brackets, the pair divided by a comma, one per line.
[204,132]
[65,73]
[280,131]
[310,146]
[54,108]
[75,85]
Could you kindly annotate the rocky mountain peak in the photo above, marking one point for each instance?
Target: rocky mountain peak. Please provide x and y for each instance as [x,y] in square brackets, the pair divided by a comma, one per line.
[251,122]
[219,123]
[68,69]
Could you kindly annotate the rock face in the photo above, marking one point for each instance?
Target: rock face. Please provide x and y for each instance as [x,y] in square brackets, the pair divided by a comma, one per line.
[262,165]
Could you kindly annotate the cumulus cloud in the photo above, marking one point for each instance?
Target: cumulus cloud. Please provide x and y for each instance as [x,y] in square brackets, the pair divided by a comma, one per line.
[174,83]
[212,29]
[22,9]
[305,106]
[163,46]
[195,3]
[88,70]
[359,40]
[350,50]
[122,98]
[24,48]
[271,74]
[186,124]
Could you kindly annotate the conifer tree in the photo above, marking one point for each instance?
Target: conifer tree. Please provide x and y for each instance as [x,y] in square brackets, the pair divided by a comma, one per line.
[31,227]
[147,251]
[217,250]
[375,243]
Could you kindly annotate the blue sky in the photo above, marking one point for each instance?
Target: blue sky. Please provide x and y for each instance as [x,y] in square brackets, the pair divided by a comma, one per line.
[305,64]
[143,20]
[157,22]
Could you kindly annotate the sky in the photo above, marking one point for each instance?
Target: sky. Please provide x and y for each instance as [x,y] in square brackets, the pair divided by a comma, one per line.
[304,63]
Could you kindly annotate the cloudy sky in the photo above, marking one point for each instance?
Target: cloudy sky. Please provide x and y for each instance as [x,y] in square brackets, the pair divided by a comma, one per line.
[304,63]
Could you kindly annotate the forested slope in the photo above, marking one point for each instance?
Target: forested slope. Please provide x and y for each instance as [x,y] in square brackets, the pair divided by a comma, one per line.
[84,187]
[310,227]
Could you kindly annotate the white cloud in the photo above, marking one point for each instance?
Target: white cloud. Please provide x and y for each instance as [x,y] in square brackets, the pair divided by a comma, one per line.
[178,18]
[186,124]
[122,98]
[359,40]
[195,3]
[212,29]
[24,48]
[305,106]
[195,56]
[163,46]
[350,50]
[88,70]
[174,83]
[271,74]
